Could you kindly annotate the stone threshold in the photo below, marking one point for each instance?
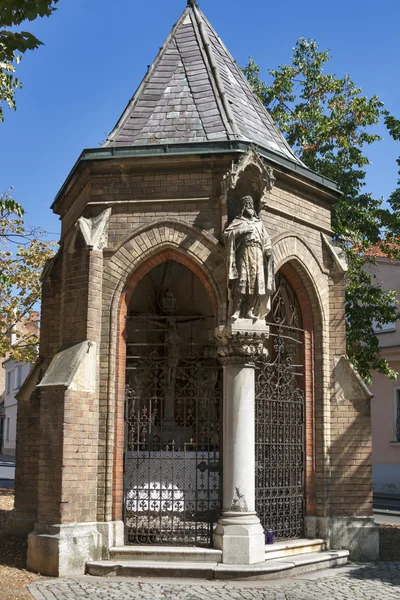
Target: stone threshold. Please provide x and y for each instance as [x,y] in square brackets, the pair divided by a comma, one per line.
[293,547]
[271,569]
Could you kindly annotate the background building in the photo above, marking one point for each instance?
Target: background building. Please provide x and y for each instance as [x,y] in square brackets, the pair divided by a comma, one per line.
[15,375]
[1,421]
[12,376]
[385,409]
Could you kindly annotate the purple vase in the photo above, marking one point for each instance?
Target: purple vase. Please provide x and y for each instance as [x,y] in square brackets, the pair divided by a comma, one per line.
[269,537]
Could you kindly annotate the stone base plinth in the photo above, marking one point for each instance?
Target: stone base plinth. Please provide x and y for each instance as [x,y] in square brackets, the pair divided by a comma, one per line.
[358,535]
[241,539]
[63,550]
[20,524]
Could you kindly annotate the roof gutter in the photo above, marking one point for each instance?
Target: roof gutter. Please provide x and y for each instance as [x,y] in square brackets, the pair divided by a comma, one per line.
[221,147]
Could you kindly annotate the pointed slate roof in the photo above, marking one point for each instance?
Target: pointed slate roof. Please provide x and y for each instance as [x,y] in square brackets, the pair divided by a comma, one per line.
[195,92]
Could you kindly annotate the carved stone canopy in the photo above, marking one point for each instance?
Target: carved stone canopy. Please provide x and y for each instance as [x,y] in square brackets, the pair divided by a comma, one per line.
[337,257]
[250,176]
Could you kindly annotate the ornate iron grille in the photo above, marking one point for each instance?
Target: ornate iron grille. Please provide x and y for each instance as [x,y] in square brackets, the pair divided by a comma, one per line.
[172,464]
[280,420]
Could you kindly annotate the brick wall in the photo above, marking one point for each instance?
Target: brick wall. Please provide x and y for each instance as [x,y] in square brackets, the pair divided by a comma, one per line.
[27,456]
[80,452]
[50,310]
[74,292]
[350,424]
[51,443]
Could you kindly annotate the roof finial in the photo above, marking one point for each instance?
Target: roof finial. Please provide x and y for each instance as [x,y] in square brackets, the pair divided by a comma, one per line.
[192,3]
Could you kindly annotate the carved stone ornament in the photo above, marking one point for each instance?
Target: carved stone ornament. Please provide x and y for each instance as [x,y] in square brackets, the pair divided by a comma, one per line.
[262,176]
[239,503]
[95,230]
[242,342]
[338,257]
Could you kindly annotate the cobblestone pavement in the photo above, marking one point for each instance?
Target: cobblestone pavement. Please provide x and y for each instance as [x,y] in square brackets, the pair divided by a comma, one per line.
[354,582]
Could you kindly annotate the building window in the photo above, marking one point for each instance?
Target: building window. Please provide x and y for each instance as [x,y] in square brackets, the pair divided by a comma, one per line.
[8,382]
[397,416]
[18,377]
[383,327]
[8,430]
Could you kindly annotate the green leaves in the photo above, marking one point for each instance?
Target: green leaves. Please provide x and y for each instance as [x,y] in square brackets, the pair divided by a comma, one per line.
[15,12]
[392,124]
[9,206]
[11,42]
[23,254]
[14,43]
[330,123]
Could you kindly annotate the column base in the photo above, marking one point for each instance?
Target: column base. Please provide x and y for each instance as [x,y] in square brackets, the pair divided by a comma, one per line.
[241,538]
[63,550]
[358,535]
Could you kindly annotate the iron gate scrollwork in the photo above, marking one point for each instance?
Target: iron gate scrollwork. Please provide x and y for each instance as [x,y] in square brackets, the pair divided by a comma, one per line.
[280,414]
[172,466]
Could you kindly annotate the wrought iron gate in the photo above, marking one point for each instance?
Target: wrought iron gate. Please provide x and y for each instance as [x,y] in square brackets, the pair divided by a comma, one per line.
[172,466]
[280,411]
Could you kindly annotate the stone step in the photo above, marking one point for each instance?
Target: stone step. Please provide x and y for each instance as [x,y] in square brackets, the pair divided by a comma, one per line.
[293,547]
[208,555]
[271,569]
[166,554]
[285,567]
[155,568]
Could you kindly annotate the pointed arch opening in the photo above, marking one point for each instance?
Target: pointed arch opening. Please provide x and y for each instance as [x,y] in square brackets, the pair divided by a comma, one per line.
[285,441]
[172,403]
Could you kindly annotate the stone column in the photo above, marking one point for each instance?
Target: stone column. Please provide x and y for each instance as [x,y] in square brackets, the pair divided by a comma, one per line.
[239,533]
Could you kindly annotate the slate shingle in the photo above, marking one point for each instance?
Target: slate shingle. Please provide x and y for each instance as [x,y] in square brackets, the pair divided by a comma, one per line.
[194,91]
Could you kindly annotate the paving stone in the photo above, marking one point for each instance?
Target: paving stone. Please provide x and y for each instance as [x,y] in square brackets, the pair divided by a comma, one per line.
[367,582]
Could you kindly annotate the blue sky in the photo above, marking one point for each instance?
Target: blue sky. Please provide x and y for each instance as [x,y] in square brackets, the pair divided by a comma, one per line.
[97,51]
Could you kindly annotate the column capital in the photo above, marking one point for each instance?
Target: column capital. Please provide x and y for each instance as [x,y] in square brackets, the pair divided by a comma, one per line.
[240,343]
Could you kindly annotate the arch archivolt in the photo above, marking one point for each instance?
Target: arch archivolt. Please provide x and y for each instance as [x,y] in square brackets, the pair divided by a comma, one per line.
[300,265]
[292,249]
[168,239]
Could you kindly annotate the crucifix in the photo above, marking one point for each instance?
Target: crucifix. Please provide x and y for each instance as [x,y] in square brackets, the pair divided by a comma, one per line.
[173,342]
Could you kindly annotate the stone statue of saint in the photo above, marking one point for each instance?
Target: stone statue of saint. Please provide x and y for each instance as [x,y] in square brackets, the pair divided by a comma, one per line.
[250,265]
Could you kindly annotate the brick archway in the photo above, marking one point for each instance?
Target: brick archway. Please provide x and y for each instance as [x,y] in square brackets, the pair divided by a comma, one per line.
[119,430]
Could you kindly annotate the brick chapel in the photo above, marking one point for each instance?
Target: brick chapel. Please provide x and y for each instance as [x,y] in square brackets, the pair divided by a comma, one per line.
[192,394]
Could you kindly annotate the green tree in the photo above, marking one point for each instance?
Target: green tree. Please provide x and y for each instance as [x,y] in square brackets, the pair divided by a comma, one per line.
[23,249]
[14,42]
[329,123]
[393,235]
[23,254]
